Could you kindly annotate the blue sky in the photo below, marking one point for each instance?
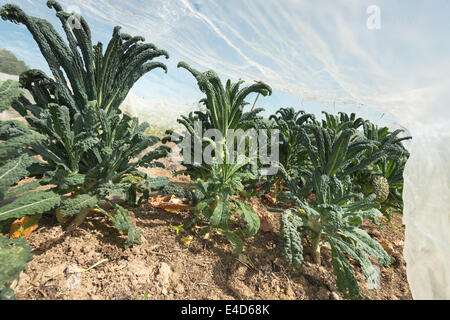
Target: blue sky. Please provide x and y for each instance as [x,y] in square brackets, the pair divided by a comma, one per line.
[317,55]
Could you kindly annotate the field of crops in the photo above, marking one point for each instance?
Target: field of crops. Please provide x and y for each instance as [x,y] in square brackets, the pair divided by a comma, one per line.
[95,204]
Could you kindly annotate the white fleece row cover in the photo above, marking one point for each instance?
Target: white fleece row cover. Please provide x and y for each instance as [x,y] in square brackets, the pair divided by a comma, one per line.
[390,56]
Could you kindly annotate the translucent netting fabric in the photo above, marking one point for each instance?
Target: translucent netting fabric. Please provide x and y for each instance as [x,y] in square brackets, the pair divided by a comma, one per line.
[324,51]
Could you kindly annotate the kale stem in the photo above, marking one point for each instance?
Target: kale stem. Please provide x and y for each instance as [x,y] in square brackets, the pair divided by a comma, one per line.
[78,220]
[316,249]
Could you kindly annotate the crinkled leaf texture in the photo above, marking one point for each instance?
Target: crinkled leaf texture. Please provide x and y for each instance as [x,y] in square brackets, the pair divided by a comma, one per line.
[30,204]
[219,203]
[88,144]
[9,91]
[337,214]
[157,183]
[14,256]
[12,172]
[72,206]
[16,146]
[12,128]
[123,222]
[345,280]
[291,247]
[18,190]
[16,163]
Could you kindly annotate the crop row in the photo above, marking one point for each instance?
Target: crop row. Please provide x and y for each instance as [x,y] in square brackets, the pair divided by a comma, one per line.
[333,173]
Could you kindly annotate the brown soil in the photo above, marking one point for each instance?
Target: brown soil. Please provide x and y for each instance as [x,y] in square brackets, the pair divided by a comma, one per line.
[166,268]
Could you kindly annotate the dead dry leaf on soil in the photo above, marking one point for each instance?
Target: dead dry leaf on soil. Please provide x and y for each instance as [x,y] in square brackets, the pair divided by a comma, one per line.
[170,203]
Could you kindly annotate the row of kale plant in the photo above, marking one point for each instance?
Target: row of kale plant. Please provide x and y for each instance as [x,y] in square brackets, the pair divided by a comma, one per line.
[76,139]
[78,143]
[335,172]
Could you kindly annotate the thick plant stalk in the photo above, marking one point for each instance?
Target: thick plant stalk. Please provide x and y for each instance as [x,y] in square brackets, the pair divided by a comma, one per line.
[78,220]
[316,249]
[315,239]
[277,189]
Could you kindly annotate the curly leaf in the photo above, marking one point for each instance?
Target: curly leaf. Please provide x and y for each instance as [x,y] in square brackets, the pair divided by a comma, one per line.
[291,238]
[9,91]
[14,192]
[370,246]
[16,145]
[65,180]
[30,204]
[355,253]
[345,280]
[12,172]
[123,222]
[157,183]
[73,206]
[14,256]
[158,153]
[12,128]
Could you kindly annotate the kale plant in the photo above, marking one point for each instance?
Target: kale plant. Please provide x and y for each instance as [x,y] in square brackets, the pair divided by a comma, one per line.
[292,156]
[221,201]
[90,148]
[338,212]
[384,176]
[224,112]
[341,121]
[224,178]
